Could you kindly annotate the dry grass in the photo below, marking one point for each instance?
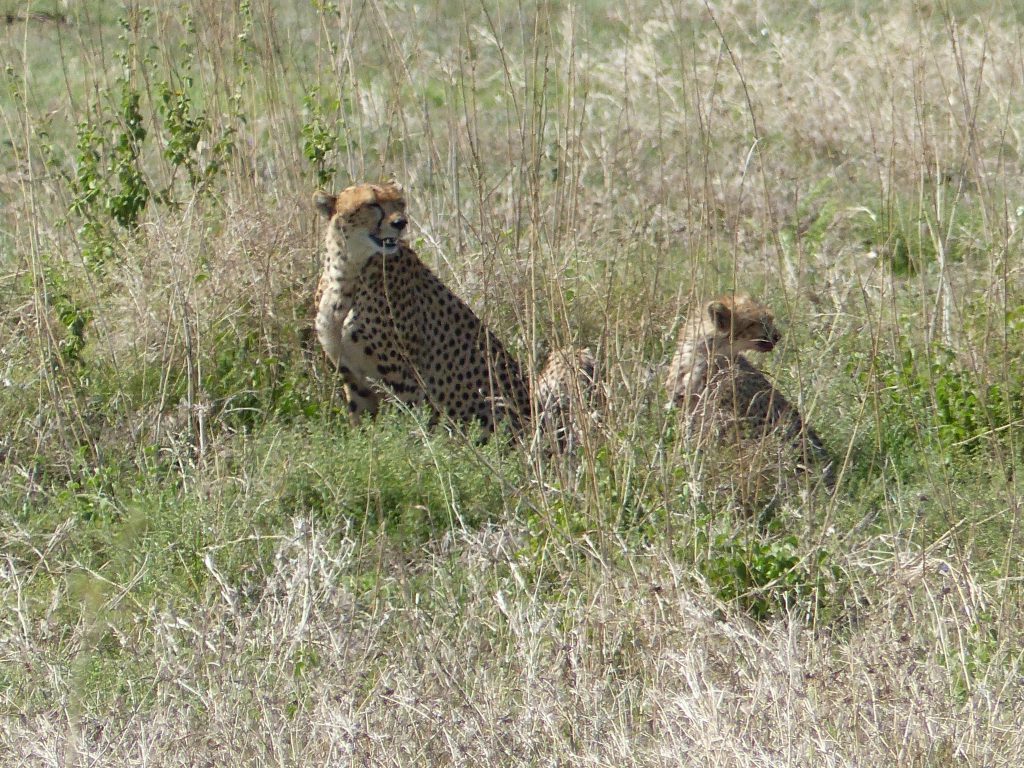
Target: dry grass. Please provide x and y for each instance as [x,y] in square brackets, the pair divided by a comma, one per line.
[188,579]
[460,661]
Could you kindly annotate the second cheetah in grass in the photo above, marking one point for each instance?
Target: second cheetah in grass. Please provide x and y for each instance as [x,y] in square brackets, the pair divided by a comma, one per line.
[565,391]
[724,394]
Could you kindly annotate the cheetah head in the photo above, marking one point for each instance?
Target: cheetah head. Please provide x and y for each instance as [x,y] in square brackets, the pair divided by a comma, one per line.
[742,324]
[366,218]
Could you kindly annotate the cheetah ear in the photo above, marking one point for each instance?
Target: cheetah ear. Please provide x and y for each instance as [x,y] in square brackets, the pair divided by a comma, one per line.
[720,315]
[324,203]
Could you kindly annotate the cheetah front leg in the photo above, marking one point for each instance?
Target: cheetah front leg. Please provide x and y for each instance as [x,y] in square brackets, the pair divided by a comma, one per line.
[336,327]
[360,395]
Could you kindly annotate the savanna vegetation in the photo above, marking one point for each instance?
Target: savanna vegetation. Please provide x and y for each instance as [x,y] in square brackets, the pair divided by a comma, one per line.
[203,563]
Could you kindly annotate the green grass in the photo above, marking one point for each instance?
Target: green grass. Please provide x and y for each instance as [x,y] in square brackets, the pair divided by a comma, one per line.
[201,560]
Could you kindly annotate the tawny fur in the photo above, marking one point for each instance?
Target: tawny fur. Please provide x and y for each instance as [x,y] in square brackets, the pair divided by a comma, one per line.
[565,390]
[388,324]
[723,392]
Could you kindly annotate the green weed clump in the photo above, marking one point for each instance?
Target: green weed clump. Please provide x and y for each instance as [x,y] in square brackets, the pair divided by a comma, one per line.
[770,577]
[932,406]
[109,187]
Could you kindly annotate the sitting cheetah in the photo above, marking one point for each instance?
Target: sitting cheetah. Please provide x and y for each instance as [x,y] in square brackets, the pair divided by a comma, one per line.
[565,387]
[388,324]
[717,386]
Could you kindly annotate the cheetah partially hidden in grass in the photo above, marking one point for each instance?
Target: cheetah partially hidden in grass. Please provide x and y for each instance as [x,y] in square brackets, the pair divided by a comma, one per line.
[389,325]
[566,392]
[724,394]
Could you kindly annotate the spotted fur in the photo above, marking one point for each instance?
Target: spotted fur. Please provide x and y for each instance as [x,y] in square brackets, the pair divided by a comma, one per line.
[566,389]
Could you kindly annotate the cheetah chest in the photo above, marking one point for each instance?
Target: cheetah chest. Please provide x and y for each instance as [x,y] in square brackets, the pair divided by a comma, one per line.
[366,327]
[739,393]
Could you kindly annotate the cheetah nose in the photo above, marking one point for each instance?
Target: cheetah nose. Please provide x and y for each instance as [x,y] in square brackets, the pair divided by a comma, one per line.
[776,337]
[399,224]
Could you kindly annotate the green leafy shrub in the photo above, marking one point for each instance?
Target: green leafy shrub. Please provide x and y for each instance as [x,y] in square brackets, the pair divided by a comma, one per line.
[932,398]
[113,185]
[767,578]
[320,141]
[109,187]
[186,127]
[73,316]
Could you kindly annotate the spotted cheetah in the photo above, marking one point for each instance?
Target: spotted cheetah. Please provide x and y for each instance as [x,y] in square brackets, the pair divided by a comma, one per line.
[388,324]
[566,387]
[718,387]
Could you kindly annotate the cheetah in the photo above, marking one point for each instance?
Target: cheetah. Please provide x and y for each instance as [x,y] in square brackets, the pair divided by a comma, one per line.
[715,384]
[566,386]
[388,323]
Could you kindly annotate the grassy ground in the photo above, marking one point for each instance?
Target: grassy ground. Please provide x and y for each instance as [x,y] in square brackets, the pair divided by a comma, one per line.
[203,563]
